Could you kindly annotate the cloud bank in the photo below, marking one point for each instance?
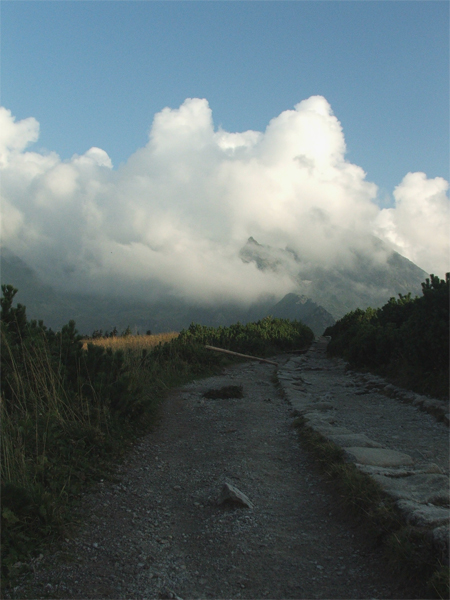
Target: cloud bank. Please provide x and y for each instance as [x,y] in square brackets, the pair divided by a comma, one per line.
[173,218]
[419,225]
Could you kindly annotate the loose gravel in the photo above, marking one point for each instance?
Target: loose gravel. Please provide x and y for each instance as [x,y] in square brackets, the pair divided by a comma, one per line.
[160,533]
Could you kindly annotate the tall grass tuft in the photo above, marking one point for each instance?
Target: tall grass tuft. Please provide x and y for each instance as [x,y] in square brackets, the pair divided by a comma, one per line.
[66,413]
[132,343]
[53,439]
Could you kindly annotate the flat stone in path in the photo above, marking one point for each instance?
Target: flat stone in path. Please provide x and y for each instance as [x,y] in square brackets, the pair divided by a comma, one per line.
[425,488]
[380,457]
[349,440]
[417,469]
[424,515]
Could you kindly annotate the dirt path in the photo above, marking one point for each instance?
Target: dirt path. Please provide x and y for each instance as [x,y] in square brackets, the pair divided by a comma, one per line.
[161,534]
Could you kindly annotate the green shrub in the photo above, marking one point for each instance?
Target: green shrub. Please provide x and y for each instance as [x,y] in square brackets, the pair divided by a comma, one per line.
[263,338]
[407,339]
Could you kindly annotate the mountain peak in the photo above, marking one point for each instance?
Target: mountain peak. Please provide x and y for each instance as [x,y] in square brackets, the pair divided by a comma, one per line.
[372,276]
[251,240]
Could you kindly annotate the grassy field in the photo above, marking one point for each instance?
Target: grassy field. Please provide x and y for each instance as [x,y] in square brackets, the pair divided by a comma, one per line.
[133,343]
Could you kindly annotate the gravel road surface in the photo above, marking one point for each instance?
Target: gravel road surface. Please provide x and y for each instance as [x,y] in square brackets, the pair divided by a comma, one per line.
[160,532]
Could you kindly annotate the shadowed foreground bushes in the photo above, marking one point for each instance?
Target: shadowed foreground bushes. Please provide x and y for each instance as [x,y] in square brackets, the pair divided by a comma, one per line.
[407,339]
[68,412]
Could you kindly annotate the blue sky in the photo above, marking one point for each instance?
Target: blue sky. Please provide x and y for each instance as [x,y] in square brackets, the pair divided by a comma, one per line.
[171,132]
[95,73]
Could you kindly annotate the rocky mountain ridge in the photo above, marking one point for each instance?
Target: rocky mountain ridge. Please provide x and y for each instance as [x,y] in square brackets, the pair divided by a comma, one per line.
[368,277]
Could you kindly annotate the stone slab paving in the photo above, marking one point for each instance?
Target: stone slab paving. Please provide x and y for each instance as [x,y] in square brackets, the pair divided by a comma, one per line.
[397,437]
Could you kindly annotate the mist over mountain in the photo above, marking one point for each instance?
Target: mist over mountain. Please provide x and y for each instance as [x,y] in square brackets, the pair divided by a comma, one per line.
[106,311]
[320,295]
[371,275]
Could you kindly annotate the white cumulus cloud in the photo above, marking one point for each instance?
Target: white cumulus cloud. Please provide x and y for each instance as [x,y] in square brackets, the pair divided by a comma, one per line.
[174,216]
[15,136]
[419,225]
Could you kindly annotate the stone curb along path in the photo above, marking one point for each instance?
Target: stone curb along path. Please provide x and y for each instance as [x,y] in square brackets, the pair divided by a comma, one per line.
[402,448]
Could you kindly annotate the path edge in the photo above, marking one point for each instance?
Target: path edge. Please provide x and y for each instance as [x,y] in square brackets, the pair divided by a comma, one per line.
[418,552]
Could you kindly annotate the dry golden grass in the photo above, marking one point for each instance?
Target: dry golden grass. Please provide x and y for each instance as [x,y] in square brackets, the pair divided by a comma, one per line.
[133,342]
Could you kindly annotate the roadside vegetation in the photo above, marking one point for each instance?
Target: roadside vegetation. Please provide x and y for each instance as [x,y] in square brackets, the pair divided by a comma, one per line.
[70,408]
[406,340]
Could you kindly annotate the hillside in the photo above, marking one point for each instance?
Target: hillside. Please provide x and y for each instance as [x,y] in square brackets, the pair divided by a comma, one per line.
[294,306]
[368,281]
[170,314]
[320,295]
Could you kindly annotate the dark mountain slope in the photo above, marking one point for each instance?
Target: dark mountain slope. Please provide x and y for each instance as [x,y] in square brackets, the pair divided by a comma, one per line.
[368,282]
[300,308]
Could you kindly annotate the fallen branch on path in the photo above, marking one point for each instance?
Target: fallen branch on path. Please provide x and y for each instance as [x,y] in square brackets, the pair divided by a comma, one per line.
[271,362]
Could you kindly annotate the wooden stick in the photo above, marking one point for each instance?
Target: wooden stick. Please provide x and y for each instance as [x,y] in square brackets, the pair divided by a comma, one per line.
[271,362]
